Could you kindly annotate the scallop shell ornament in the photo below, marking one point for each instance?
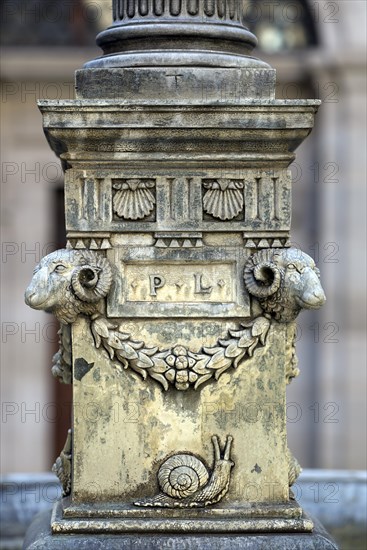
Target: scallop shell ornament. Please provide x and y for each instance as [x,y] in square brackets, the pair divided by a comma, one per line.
[133,199]
[223,198]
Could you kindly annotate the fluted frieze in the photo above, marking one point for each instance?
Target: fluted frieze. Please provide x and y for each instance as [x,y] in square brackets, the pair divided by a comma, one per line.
[205,33]
[221,10]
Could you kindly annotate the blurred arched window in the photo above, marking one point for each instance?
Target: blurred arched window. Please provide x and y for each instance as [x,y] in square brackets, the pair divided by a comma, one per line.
[281,25]
[69,23]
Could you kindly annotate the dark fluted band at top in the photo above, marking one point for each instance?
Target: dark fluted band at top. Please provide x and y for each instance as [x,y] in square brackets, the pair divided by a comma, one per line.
[177,32]
[220,10]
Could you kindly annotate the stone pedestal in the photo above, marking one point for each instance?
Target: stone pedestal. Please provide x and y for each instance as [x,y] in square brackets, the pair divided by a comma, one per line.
[177,292]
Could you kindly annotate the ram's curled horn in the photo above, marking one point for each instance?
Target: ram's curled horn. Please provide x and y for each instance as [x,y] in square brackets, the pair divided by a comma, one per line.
[92,281]
[262,276]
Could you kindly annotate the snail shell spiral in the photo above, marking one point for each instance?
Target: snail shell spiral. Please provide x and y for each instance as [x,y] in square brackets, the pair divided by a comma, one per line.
[186,482]
[182,475]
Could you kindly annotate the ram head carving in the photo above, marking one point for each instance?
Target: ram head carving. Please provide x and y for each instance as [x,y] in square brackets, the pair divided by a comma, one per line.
[284,281]
[68,283]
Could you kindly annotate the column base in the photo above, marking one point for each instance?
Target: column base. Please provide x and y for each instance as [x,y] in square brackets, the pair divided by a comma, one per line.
[40,537]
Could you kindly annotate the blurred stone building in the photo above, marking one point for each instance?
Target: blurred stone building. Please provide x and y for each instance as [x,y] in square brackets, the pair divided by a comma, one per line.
[318,48]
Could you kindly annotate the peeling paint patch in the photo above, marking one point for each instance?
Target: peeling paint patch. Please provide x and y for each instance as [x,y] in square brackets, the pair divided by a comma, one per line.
[81,368]
[256,469]
[97,375]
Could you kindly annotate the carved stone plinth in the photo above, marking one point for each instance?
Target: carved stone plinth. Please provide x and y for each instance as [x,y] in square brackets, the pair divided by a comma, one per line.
[177,291]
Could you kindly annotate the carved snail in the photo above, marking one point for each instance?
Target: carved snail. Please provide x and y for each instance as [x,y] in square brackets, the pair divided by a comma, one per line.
[185,481]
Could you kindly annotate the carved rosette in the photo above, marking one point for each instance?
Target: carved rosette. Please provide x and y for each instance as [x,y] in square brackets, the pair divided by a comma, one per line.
[223,199]
[133,198]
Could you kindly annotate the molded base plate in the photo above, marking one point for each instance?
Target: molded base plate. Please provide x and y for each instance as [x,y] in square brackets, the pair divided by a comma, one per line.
[39,537]
[103,518]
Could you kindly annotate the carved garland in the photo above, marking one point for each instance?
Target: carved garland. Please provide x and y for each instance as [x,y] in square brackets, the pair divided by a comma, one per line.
[178,366]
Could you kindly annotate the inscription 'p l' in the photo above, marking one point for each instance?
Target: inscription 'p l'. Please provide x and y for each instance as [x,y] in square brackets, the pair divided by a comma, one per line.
[156,281]
[199,288]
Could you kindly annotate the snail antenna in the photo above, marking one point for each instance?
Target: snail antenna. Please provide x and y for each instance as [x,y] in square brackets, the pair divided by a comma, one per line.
[227,450]
[216,447]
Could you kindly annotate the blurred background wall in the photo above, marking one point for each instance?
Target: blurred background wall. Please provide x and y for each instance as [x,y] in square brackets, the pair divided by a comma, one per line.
[318,48]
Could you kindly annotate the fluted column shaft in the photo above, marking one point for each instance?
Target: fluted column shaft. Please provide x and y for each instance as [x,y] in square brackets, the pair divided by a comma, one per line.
[177,32]
[215,10]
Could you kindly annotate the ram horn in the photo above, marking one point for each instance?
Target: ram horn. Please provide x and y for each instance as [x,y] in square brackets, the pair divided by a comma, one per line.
[262,276]
[91,282]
